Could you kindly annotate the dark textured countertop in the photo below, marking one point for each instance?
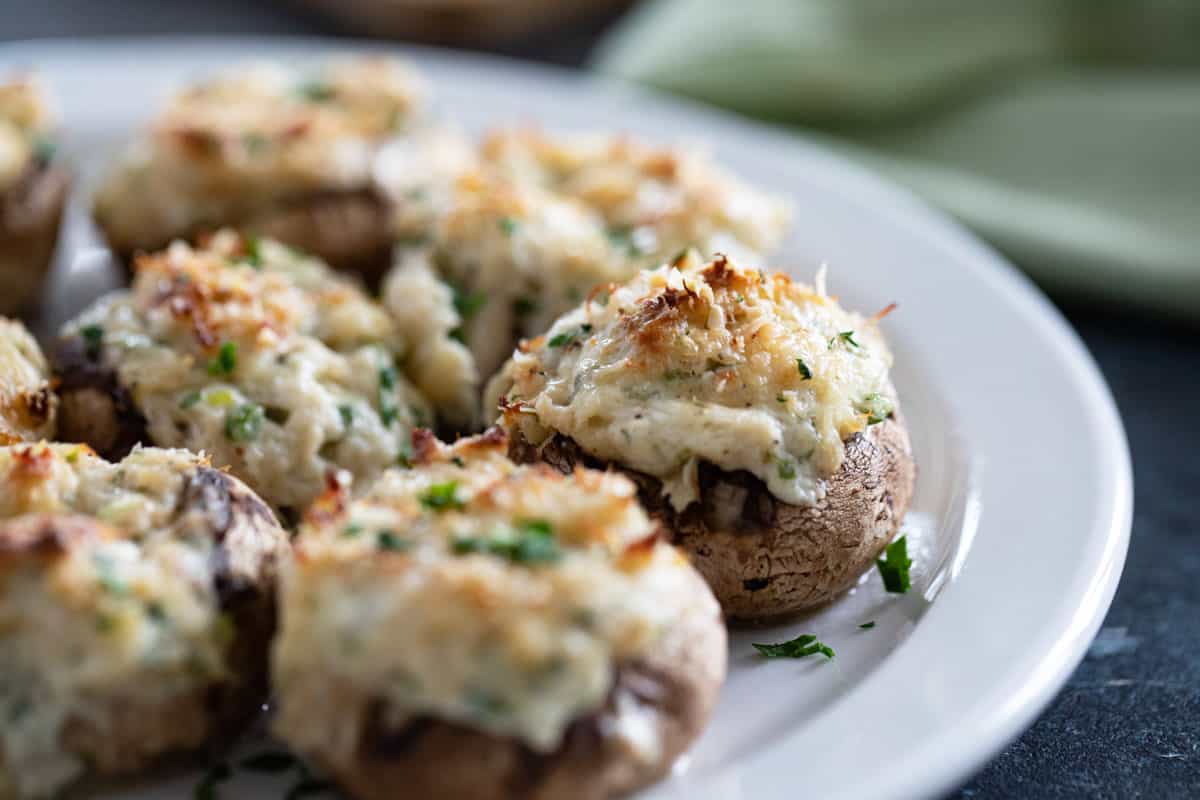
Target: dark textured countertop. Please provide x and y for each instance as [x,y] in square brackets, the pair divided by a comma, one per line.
[1127,725]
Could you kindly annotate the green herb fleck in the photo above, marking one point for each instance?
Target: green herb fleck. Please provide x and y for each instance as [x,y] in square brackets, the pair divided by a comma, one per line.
[206,789]
[894,566]
[93,339]
[404,457]
[564,339]
[467,304]
[388,540]
[779,398]
[848,338]
[866,626]
[269,761]
[805,372]
[190,399]
[458,462]
[44,149]
[253,255]
[787,469]
[347,414]
[800,647]
[156,612]
[352,530]
[243,423]
[389,412]
[106,575]
[441,496]
[508,225]
[876,407]
[315,91]
[226,361]
[530,542]
[524,306]
[254,142]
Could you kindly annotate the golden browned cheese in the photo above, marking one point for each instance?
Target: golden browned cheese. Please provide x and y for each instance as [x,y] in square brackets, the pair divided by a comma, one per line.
[704,361]
[262,357]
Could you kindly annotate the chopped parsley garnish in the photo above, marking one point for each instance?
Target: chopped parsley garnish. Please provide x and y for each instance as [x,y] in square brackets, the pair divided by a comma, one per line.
[441,496]
[206,789]
[622,237]
[243,423]
[467,304]
[786,468]
[524,306]
[190,399]
[388,540]
[508,225]
[530,542]
[389,412]
[352,530]
[254,142]
[315,91]
[876,407]
[866,626]
[805,372]
[269,761]
[347,414]
[93,338]
[894,566]
[253,255]
[848,338]
[44,149]
[226,361]
[564,339]
[800,647]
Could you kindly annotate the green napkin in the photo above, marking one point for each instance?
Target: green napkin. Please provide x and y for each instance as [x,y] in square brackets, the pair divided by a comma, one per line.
[1067,132]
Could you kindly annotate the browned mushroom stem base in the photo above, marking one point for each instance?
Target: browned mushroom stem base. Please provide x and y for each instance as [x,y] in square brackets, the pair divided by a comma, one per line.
[94,408]
[762,557]
[30,213]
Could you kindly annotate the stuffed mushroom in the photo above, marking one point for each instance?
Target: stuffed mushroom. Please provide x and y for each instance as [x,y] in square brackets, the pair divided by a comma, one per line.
[250,351]
[28,404]
[33,189]
[136,609]
[472,628]
[503,244]
[756,416]
[273,152]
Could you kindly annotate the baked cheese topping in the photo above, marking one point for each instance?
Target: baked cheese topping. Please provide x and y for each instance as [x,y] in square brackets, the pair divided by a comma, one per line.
[476,591]
[263,357]
[106,589]
[522,231]
[223,149]
[654,201]
[712,362]
[25,127]
[27,403]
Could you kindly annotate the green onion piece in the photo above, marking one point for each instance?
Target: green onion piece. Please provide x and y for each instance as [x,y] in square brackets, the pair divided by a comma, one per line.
[244,423]
[442,496]
[226,361]
[805,372]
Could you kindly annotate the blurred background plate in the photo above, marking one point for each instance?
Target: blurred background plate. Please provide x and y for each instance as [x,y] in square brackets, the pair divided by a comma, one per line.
[1024,498]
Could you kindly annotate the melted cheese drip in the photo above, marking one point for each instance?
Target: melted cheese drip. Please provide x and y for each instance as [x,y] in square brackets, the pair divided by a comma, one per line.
[315,365]
[693,362]
[127,607]
[516,649]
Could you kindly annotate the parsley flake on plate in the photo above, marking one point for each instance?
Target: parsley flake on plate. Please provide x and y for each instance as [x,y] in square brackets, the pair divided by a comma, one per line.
[804,645]
[894,566]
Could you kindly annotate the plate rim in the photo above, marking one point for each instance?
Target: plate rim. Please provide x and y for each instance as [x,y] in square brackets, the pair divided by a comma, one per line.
[945,757]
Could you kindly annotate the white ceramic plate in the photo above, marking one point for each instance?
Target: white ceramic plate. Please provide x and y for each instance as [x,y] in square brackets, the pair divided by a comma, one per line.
[1022,513]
